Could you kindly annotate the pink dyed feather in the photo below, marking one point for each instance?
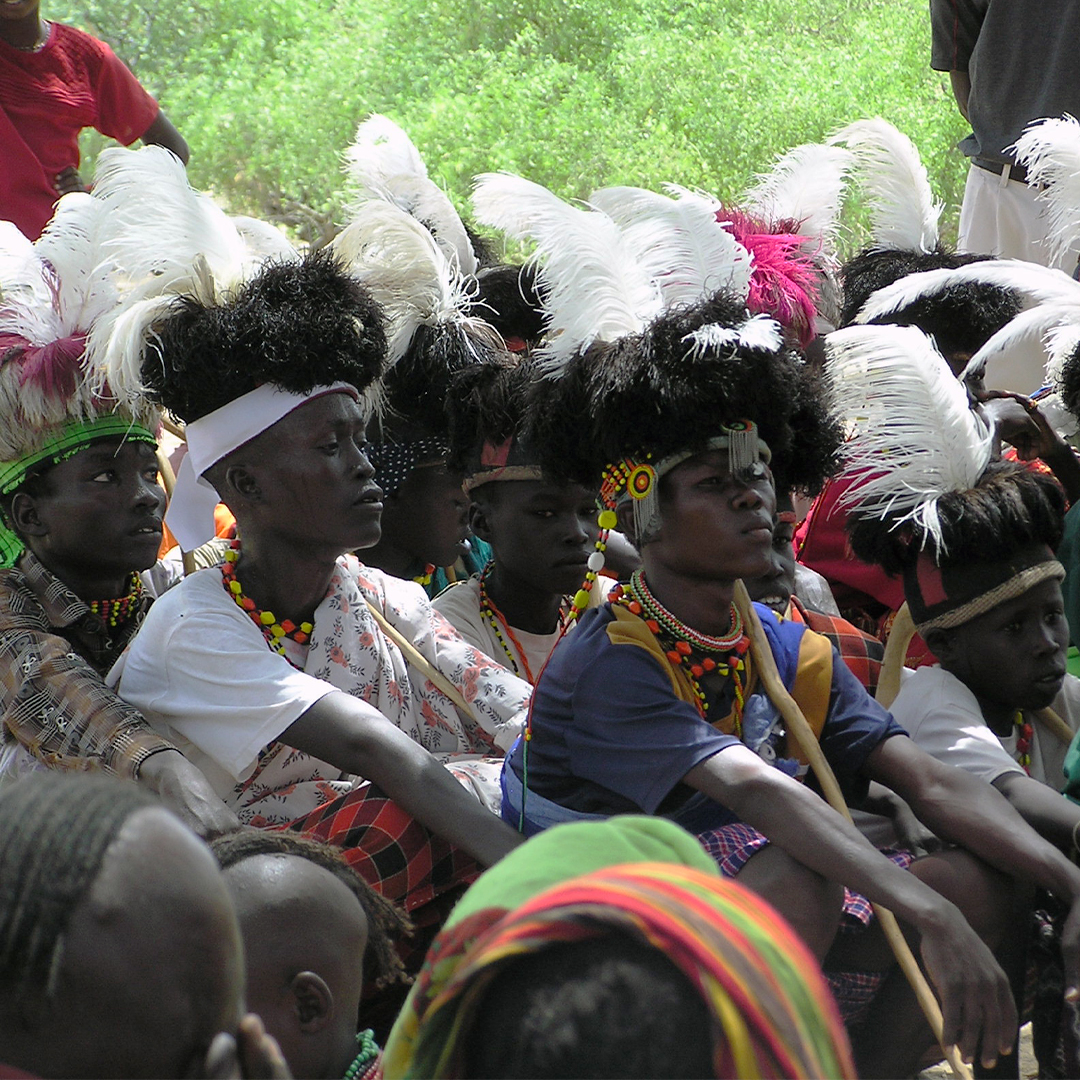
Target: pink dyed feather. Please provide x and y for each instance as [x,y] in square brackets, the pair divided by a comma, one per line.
[56,369]
[783,278]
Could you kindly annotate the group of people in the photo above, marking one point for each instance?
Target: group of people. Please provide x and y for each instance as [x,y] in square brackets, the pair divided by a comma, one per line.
[600,571]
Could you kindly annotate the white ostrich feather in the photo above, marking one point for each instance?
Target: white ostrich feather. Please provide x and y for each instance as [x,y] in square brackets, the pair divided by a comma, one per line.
[383,163]
[155,223]
[406,271]
[912,435]
[903,212]
[27,296]
[263,241]
[679,242]
[1050,151]
[759,332]
[1038,322]
[806,185]
[1061,342]
[1037,284]
[597,290]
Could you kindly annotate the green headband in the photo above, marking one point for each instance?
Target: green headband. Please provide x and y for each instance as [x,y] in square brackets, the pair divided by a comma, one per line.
[66,442]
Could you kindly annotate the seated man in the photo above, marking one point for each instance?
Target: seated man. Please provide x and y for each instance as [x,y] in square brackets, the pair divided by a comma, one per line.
[80,518]
[315,937]
[314,692]
[120,954]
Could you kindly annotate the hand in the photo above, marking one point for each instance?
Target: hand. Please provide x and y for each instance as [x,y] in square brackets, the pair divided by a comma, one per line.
[187,793]
[69,180]
[911,833]
[976,1003]
[252,1054]
[1019,421]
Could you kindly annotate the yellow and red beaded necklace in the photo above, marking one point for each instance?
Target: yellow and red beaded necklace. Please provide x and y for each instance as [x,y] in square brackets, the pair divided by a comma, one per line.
[275,632]
[1024,734]
[695,653]
[119,610]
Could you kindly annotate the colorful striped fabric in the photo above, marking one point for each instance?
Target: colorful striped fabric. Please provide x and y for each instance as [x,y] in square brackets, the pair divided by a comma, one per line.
[772,1014]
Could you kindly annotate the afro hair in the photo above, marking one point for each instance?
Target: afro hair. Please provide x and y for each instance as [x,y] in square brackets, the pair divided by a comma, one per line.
[511,299]
[486,404]
[1011,507]
[297,325]
[960,318]
[650,393]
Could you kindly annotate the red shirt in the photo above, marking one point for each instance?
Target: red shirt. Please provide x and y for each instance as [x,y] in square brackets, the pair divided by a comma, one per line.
[46,98]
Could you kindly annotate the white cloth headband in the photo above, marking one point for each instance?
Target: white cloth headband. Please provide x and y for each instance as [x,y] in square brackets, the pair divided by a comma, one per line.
[190,515]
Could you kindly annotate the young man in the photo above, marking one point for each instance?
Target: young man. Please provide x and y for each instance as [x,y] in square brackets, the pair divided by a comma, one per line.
[313,691]
[120,954]
[541,532]
[80,518]
[55,81]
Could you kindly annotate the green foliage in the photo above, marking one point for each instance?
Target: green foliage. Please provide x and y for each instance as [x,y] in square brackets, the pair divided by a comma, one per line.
[576,94]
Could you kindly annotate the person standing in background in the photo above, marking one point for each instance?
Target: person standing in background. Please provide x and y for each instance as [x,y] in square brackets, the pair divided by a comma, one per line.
[1010,62]
[55,81]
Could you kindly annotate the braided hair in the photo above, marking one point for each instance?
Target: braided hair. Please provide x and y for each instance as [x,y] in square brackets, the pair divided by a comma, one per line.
[57,830]
[382,965]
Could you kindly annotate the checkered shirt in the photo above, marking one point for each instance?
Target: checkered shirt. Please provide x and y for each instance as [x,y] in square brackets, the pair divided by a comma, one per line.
[861,652]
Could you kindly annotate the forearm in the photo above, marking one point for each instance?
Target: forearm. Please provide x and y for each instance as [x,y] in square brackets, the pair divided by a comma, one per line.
[961,88]
[1065,466]
[968,812]
[1049,813]
[810,831]
[355,739]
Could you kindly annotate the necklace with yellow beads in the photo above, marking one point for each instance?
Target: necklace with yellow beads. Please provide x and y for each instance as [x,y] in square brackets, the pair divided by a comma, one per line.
[274,631]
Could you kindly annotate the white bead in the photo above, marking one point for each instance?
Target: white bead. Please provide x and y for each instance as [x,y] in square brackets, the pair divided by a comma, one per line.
[596,562]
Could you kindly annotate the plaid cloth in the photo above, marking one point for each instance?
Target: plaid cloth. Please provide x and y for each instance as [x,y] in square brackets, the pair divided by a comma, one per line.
[861,652]
[388,848]
[53,656]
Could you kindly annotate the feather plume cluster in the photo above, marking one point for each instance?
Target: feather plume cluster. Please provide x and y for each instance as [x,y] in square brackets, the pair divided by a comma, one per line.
[382,163]
[903,211]
[913,438]
[163,240]
[806,188]
[678,241]
[51,293]
[596,289]
[1050,151]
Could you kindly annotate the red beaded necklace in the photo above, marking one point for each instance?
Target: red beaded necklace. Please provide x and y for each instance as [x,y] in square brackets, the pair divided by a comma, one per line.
[1023,740]
[275,632]
[119,610]
[695,653]
[502,629]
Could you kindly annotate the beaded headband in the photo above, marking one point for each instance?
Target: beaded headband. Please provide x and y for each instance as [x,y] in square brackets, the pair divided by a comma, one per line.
[637,479]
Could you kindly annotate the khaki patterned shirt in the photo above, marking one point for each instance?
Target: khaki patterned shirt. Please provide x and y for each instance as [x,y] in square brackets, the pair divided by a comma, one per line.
[54,654]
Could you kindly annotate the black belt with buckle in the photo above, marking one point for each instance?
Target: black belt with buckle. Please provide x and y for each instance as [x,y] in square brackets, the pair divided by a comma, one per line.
[1016,172]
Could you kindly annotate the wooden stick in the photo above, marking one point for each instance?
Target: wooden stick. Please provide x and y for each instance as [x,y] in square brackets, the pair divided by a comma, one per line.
[173,428]
[419,661]
[903,630]
[808,743]
[168,479]
[1055,725]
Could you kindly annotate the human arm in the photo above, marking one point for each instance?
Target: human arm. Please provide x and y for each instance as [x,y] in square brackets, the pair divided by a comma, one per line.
[187,793]
[352,737]
[911,833]
[1050,814]
[162,132]
[976,1002]
[966,811]
[955,26]
[961,88]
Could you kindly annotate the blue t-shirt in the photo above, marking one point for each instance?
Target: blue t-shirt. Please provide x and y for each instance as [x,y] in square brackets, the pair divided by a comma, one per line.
[610,735]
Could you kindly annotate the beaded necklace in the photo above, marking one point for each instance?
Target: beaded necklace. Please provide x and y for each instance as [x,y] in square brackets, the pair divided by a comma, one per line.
[502,629]
[275,632]
[1023,740]
[119,610]
[368,1053]
[696,653]
[424,579]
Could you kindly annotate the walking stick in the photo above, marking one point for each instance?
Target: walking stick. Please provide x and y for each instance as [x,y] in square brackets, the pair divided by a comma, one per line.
[807,741]
[903,630]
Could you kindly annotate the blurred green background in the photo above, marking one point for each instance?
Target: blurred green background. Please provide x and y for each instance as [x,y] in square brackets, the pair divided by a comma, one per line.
[575,94]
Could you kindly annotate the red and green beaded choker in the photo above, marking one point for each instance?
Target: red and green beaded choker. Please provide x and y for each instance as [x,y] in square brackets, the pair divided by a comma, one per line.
[117,611]
[695,653]
[275,632]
